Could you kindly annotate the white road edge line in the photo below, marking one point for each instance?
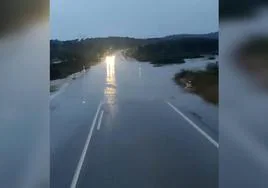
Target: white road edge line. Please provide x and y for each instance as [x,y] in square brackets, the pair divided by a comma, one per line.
[82,158]
[100,120]
[61,90]
[194,125]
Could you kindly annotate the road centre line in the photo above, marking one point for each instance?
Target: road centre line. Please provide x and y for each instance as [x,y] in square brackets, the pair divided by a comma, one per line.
[82,158]
[100,120]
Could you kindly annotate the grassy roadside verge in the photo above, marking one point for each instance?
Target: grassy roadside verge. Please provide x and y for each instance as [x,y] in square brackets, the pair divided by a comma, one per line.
[53,88]
[203,82]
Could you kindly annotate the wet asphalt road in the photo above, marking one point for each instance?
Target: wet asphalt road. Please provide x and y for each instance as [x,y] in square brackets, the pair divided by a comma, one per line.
[108,130]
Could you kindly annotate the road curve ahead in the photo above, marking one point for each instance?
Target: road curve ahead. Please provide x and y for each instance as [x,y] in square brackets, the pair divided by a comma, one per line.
[108,129]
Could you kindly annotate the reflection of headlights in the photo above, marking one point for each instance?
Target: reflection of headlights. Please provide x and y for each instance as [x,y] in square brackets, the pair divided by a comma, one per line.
[110,59]
[110,91]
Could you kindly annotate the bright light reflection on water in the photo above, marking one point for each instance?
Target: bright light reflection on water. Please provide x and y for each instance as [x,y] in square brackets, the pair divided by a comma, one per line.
[110,89]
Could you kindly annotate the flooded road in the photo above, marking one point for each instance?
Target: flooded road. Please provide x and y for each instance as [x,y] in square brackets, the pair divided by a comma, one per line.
[127,124]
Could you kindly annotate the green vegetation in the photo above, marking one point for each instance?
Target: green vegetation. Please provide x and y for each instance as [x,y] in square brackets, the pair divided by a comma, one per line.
[174,51]
[53,88]
[203,82]
[211,58]
[75,54]
[68,57]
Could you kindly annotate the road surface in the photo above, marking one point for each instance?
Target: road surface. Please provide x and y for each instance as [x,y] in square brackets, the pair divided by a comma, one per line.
[125,124]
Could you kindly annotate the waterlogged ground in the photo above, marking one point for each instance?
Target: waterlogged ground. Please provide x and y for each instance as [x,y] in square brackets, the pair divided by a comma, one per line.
[126,123]
[144,80]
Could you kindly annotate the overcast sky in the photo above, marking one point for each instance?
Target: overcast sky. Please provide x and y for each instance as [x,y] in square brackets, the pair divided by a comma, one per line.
[72,19]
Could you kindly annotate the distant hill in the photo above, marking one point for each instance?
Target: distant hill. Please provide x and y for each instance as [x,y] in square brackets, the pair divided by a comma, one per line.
[176,48]
[73,55]
[68,57]
[213,35]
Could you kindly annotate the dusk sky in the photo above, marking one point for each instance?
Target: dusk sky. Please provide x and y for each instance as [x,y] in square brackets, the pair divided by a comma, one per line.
[71,19]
